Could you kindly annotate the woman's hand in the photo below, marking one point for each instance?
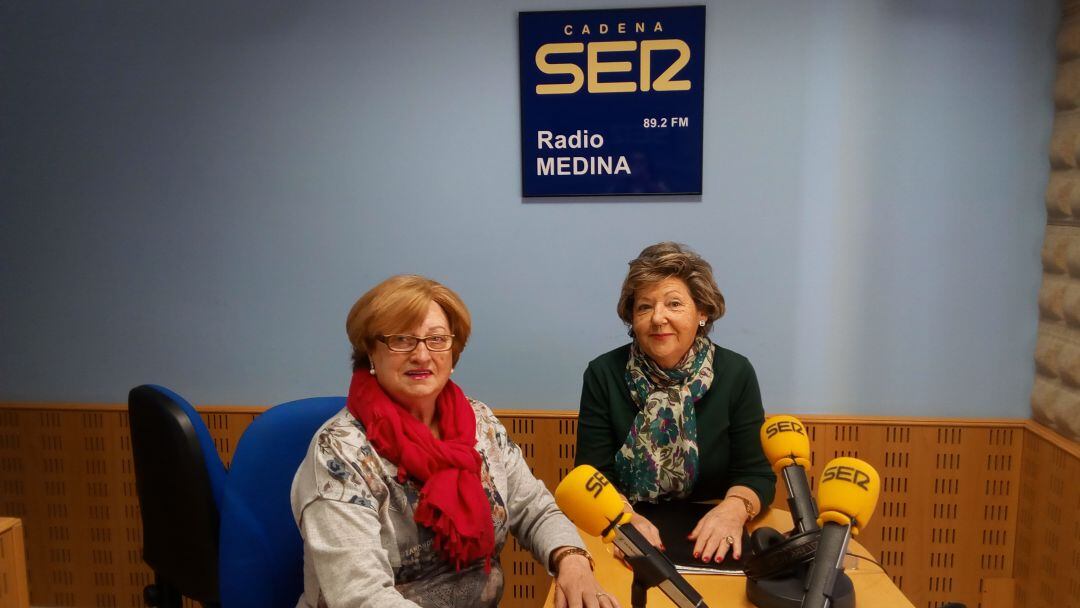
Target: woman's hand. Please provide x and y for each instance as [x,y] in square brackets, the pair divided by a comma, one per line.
[576,587]
[720,530]
[647,529]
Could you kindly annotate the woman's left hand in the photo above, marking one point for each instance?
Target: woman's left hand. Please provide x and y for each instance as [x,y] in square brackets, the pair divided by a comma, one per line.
[576,587]
[720,530]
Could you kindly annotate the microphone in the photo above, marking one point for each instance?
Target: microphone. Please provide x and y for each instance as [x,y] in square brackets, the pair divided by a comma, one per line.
[847,498]
[787,447]
[590,501]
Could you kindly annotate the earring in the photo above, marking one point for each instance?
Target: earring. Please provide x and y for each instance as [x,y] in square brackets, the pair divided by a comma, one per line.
[701,323]
[372,370]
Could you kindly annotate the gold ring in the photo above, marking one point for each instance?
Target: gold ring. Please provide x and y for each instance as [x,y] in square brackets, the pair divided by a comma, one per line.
[601,594]
[730,539]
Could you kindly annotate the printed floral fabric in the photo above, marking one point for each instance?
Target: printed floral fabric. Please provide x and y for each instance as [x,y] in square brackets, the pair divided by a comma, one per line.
[660,455]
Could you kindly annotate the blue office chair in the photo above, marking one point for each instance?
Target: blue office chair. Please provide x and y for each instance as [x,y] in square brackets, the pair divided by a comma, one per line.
[180,480]
[262,554]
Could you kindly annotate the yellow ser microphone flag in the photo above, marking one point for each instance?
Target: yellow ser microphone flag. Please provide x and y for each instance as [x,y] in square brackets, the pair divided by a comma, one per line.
[787,446]
[784,440]
[590,501]
[849,493]
[847,497]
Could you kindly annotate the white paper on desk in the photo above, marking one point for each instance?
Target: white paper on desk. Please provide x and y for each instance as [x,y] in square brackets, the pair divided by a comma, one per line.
[695,570]
[850,563]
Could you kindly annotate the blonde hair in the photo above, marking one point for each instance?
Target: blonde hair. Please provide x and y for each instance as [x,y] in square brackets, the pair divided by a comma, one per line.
[398,304]
[673,260]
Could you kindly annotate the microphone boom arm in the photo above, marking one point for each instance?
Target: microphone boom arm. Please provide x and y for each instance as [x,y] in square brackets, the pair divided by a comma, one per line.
[653,569]
[801,504]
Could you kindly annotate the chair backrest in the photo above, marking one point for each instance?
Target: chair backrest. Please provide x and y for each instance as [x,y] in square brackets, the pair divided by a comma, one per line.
[179,479]
[262,553]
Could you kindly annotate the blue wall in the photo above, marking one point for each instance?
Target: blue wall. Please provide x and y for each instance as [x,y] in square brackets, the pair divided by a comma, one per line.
[196,195]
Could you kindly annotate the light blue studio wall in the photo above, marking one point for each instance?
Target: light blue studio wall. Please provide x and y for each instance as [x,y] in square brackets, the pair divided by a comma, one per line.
[195,195]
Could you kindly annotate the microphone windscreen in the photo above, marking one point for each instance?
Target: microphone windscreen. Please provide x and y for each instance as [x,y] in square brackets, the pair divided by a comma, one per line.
[590,501]
[784,440]
[848,493]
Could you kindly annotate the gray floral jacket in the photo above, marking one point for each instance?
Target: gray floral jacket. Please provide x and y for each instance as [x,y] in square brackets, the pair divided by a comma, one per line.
[361,545]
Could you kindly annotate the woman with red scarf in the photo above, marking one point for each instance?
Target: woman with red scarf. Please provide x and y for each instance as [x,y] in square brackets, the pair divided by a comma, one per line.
[406,495]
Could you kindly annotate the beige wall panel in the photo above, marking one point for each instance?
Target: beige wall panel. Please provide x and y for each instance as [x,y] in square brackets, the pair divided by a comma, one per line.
[1071,236]
[1046,357]
[1067,86]
[1068,40]
[1055,254]
[1060,191]
[1068,362]
[1065,141]
[1055,399]
[1071,305]
[1052,299]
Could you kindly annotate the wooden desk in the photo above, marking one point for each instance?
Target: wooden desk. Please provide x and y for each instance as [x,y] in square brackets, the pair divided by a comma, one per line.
[14,592]
[873,588]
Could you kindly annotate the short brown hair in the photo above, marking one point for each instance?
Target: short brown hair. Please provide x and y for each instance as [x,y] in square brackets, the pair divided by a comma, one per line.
[666,260]
[398,304]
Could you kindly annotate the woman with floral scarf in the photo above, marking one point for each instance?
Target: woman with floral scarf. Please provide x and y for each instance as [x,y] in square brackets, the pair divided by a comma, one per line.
[672,416]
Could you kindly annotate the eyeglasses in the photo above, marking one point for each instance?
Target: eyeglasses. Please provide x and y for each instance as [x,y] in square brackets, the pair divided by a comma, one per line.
[403,343]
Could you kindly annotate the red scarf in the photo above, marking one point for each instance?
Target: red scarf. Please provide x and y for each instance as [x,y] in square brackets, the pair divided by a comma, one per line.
[452,502]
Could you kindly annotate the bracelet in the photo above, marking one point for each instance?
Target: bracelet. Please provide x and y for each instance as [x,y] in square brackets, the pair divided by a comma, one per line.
[572,551]
[746,503]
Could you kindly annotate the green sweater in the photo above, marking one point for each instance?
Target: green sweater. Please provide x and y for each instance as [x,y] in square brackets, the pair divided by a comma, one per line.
[729,419]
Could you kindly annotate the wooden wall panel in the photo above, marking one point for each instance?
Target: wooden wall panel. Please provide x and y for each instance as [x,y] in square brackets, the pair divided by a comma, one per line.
[949,493]
[14,592]
[547,443]
[1047,569]
[954,508]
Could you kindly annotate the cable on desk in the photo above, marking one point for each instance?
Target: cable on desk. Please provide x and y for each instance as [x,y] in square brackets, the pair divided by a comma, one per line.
[872,561]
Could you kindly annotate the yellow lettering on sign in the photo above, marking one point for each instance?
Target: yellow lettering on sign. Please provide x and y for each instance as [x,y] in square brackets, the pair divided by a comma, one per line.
[597,67]
[664,82]
[555,48]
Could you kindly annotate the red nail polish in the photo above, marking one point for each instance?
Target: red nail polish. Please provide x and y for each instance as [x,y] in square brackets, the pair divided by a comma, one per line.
[719,559]
[697,554]
[705,559]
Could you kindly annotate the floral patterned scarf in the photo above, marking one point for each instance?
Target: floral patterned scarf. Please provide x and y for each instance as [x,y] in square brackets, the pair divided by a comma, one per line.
[660,454]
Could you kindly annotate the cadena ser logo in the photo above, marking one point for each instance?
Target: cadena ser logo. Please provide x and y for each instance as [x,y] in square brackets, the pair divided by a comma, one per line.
[612,101]
[596,484]
[562,59]
[783,426]
[848,474]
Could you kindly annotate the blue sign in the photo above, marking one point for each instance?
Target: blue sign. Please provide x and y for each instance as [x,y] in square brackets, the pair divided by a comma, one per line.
[612,101]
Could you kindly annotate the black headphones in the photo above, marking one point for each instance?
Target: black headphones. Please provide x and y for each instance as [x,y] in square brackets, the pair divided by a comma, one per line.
[773,554]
